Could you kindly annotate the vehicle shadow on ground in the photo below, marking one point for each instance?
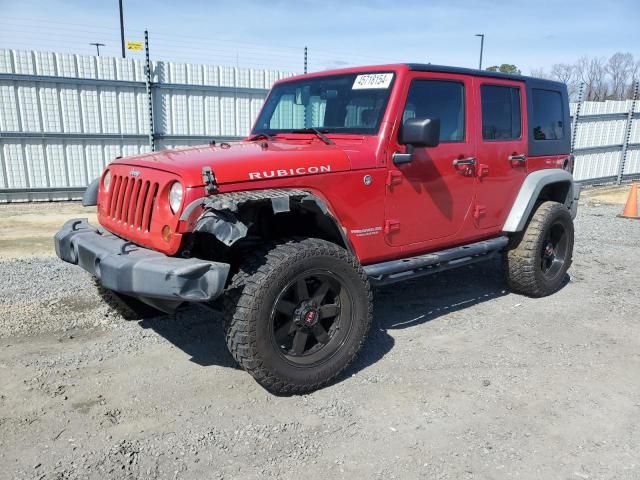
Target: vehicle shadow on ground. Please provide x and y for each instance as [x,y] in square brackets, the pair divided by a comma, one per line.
[415,302]
[198,331]
[427,298]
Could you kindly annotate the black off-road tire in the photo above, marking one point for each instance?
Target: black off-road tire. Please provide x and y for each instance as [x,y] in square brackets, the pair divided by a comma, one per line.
[127,307]
[251,301]
[523,262]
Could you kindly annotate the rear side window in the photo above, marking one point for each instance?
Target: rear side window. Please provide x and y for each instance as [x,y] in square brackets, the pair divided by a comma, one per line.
[438,99]
[547,115]
[501,113]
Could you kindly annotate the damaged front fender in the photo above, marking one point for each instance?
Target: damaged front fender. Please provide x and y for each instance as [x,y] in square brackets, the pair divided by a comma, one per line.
[221,213]
[222,225]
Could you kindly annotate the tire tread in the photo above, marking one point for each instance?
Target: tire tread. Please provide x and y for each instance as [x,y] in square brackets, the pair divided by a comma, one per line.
[244,295]
[520,262]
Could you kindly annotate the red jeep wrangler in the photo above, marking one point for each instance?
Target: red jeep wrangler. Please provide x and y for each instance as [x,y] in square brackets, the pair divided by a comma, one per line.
[350,178]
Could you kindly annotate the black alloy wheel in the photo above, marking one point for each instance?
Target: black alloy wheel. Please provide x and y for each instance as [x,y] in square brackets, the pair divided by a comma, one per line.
[311,318]
[554,250]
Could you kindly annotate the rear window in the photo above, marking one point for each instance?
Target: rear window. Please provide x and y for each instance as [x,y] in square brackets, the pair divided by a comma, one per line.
[501,115]
[547,115]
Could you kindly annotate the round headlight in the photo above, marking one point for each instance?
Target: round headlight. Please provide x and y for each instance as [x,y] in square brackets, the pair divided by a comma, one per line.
[106,181]
[175,196]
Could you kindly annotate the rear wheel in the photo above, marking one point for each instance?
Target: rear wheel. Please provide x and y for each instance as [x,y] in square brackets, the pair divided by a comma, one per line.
[297,314]
[540,256]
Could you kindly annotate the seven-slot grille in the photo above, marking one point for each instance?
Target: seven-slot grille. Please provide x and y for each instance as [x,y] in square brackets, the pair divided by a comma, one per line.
[131,201]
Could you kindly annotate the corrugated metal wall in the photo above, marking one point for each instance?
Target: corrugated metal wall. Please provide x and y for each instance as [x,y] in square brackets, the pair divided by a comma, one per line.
[602,130]
[64,117]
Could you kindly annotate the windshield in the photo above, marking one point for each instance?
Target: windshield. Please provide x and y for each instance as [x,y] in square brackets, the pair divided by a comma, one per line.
[351,103]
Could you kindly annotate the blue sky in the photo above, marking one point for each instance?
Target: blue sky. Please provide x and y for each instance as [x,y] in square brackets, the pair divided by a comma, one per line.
[530,34]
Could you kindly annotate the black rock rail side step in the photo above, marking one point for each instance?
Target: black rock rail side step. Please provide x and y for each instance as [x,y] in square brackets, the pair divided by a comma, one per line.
[394,271]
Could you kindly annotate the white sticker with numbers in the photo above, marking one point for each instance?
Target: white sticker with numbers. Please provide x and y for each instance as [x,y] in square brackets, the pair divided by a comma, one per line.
[373,80]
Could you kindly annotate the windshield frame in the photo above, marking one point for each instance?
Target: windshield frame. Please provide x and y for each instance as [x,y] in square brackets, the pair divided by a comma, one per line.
[269,106]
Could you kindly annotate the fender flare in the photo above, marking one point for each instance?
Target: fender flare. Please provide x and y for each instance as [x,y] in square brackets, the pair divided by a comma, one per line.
[90,195]
[530,191]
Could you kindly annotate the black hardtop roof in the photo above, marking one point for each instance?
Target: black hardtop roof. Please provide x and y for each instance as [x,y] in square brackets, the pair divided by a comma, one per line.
[427,67]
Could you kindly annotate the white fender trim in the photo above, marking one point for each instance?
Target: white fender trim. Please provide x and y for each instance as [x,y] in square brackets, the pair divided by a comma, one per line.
[529,192]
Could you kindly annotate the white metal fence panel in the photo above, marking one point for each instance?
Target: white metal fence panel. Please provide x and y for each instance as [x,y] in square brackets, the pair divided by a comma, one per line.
[607,134]
[64,117]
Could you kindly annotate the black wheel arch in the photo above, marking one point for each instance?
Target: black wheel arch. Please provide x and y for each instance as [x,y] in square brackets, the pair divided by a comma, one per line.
[232,223]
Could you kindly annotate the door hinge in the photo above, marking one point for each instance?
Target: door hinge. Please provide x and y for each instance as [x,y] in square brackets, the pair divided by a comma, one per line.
[391,226]
[479,211]
[394,177]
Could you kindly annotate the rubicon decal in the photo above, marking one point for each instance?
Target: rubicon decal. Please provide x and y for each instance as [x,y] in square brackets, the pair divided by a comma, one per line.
[289,172]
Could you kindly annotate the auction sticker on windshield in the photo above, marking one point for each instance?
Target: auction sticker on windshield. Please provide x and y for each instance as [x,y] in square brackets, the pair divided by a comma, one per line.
[372,80]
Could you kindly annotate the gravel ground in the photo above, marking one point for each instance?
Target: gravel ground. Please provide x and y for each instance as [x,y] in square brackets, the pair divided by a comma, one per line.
[460,379]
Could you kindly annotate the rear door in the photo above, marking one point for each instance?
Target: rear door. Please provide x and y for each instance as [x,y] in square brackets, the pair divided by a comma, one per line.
[502,148]
[429,198]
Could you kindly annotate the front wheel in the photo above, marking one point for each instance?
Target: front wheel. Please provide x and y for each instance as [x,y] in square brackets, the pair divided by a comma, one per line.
[539,257]
[297,314]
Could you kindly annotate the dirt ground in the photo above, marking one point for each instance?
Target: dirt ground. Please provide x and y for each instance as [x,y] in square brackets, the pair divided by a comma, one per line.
[460,378]
[26,229]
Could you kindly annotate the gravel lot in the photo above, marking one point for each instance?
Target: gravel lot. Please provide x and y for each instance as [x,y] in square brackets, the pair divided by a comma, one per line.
[460,379]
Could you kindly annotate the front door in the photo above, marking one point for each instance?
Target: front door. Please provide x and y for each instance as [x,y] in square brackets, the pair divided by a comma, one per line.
[429,198]
[502,149]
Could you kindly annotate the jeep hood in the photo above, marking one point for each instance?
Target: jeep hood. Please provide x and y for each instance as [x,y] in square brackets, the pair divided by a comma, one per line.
[245,161]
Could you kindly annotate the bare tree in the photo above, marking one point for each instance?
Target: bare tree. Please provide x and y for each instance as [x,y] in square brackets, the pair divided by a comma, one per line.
[591,71]
[634,77]
[620,69]
[565,73]
[539,73]
[612,78]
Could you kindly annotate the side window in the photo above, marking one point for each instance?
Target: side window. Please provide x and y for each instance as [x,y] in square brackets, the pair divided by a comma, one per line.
[547,115]
[501,115]
[438,99]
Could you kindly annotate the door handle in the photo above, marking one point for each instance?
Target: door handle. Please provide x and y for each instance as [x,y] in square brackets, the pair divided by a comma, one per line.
[518,158]
[464,162]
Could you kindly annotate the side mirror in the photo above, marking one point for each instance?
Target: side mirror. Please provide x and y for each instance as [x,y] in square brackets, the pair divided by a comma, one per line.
[420,132]
[417,132]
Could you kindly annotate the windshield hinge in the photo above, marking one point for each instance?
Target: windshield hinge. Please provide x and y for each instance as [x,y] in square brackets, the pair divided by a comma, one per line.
[209,180]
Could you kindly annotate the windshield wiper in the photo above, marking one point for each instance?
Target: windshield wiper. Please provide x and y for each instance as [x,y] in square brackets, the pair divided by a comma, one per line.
[320,135]
[264,135]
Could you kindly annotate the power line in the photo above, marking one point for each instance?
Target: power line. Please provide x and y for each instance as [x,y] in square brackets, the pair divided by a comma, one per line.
[173,37]
[179,48]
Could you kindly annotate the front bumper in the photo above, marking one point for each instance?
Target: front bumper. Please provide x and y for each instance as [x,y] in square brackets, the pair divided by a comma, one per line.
[162,281]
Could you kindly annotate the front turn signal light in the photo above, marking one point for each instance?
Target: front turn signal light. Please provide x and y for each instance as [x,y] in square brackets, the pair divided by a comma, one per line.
[166,233]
